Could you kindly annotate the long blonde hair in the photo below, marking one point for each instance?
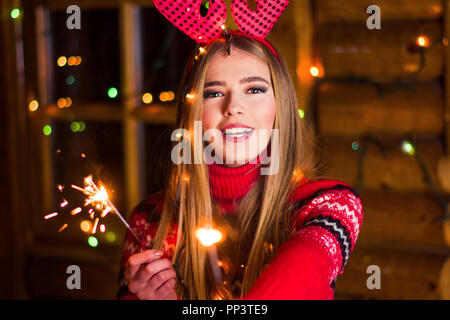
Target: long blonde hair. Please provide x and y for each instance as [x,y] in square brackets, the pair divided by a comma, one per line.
[263,214]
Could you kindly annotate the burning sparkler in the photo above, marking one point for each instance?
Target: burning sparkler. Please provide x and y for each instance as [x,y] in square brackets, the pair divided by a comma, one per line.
[208,237]
[98,198]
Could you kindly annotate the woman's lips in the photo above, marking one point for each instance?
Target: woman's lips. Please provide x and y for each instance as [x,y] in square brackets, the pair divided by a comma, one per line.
[235,139]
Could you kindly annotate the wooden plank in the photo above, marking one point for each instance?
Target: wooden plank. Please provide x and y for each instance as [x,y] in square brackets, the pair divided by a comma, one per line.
[447,77]
[395,171]
[89,112]
[157,113]
[303,24]
[352,109]
[131,84]
[331,11]
[351,50]
[404,274]
[408,220]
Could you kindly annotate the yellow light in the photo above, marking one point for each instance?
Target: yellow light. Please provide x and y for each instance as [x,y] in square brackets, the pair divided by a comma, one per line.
[190,96]
[71,61]
[422,41]
[208,236]
[170,95]
[147,98]
[223,27]
[33,105]
[86,226]
[314,71]
[61,103]
[62,61]
[202,50]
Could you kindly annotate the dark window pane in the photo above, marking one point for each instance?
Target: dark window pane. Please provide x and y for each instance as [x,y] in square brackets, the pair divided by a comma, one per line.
[97,44]
[166,51]
[94,149]
[157,153]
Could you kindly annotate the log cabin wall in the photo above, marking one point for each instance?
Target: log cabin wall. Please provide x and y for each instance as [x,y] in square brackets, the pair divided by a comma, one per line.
[379,105]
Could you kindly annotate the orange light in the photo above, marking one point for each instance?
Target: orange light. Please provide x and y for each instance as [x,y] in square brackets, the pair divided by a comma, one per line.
[68,102]
[78,60]
[33,105]
[422,41]
[62,61]
[83,155]
[170,95]
[314,71]
[86,226]
[65,225]
[71,61]
[61,103]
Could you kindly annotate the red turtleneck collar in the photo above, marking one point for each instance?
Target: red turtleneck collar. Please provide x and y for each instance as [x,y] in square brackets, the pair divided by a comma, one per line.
[230,184]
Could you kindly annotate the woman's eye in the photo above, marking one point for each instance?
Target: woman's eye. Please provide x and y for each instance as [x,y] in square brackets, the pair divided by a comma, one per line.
[258,90]
[210,94]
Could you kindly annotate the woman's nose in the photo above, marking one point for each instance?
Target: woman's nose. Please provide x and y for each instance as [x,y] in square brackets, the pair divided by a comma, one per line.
[233,108]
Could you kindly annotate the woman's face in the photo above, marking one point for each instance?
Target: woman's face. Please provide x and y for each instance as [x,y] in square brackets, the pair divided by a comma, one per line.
[239,101]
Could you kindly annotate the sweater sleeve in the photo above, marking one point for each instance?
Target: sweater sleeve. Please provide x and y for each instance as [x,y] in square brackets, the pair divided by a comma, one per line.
[306,265]
[143,222]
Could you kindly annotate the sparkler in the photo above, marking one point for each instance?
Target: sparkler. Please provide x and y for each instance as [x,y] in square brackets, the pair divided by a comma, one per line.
[208,237]
[98,198]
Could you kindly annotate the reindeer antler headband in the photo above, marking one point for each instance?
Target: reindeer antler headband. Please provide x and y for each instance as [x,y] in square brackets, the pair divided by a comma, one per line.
[185,15]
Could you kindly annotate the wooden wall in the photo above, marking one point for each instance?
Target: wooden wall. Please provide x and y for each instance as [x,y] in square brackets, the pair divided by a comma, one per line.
[377,84]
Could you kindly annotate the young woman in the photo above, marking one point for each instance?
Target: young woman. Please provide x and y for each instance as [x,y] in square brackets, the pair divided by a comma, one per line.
[287,235]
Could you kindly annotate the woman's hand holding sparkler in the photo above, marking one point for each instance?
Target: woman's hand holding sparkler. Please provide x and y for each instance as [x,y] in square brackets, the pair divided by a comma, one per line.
[150,277]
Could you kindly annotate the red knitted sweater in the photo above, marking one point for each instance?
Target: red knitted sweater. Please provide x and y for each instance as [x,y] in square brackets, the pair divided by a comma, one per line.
[328,216]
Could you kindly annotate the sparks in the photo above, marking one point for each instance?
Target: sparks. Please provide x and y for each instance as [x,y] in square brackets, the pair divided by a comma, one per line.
[75,211]
[64,203]
[208,236]
[64,226]
[50,215]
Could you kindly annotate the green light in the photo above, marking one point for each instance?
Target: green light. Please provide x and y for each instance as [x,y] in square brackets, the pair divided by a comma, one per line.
[82,126]
[408,148]
[75,126]
[355,145]
[93,242]
[47,130]
[15,13]
[207,4]
[70,80]
[301,113]
[112,92]
[110,236]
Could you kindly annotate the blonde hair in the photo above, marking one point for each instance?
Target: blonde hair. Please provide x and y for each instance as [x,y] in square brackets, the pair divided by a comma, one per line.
[263,214]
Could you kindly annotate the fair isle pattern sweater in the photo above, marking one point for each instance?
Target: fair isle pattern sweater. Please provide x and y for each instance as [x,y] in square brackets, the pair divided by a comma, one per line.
[327,217]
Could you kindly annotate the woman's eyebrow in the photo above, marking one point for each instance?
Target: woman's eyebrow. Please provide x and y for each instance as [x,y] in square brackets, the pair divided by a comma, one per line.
[242,81]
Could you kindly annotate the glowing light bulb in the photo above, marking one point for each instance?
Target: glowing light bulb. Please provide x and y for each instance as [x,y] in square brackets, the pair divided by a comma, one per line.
[61,61]
[112,92]
[422,41]
[301,113]
[47,130]
[33,106]
[15,13]
[147,98]
[314,71]
[407,147]
[93,242]
[86,226]
[208,236]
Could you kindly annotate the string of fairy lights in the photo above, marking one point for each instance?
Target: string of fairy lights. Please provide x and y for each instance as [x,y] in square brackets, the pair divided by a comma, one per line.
[408,145]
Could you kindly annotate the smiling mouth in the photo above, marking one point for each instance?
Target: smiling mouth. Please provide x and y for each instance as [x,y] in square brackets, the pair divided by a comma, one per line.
[237,132]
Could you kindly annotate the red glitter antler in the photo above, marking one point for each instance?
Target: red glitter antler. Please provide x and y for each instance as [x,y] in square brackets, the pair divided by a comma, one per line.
[185,15]
[257,23]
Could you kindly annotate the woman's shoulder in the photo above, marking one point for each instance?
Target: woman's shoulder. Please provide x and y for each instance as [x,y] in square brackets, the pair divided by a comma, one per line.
[149,208]
[319,194]
[308,189]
